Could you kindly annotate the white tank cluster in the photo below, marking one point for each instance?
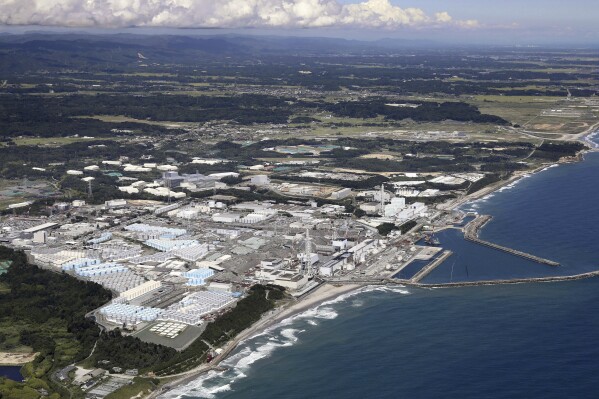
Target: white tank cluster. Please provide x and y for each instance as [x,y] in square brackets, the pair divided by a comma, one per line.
[158,257]
[114,276]
[129,314]
[80,263]
[98,269]
[119,282]
[191,308]
[198,276]
[146,231]
[188,311]
[107,236]
[192,253]
[170,245]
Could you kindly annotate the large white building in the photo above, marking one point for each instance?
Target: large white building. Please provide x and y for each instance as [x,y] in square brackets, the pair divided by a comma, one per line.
[341,194]
[140,290]
[116,203]
[412,211]
[336,264]
[397,205]
[56,258]
[360,250]
[371,208]
[260,180]
[292,281]
[228,217]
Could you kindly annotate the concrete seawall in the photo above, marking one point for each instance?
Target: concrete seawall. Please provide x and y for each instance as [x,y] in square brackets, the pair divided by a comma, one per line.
[471,234]
[425,271]
[411,283]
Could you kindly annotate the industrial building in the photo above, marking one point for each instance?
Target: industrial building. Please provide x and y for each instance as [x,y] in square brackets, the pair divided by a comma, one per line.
[412,211]
[341,194]
[55,257]
[141,289]
[229,217]
[117,203]
[336,264]
[260,180]
[198,181]
[397,205]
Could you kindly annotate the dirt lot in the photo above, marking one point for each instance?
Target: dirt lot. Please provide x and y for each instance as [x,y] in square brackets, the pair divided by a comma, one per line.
[15,359]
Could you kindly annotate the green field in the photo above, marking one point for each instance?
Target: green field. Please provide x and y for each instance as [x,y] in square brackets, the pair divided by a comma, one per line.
[52,141]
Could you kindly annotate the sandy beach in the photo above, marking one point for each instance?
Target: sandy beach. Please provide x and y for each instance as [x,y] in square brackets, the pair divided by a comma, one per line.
[323,293]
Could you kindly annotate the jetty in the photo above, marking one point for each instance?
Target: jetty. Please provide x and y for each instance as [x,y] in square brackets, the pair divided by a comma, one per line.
[472,229]
[425,271]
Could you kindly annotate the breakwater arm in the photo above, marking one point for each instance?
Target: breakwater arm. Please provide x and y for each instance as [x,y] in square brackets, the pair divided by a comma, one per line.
[425,271]
[471,234]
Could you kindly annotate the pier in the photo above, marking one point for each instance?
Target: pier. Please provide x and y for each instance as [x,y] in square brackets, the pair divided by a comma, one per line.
[471,234]
[425,271]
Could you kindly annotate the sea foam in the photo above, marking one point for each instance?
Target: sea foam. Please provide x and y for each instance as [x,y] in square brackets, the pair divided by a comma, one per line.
[260,346]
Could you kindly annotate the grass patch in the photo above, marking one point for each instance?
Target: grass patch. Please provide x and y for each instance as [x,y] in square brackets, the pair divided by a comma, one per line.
[123,119]
[4,288]
[5,202]
[140,385]
[54,141]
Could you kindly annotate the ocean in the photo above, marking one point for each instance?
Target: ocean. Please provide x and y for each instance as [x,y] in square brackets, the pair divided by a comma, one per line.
[514,341]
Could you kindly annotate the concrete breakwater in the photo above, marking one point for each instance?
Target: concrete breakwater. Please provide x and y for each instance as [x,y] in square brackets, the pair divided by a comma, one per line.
[412,283]
[552,279]
[471,234]
[425,271]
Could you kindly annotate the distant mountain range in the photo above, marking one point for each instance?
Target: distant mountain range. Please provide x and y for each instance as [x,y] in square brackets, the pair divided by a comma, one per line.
[41,50]
[217,44]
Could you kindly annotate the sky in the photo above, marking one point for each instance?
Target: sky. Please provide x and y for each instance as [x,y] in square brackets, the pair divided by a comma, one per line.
[515,22]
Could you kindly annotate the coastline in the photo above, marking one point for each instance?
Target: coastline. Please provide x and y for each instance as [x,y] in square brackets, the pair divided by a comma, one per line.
[327,292]
[320,295]
[518,175]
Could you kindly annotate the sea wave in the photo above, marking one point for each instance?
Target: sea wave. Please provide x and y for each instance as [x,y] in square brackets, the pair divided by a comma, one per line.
[474,205]
[203,387]
[260,346]
[357,303]
[400,289]
[590,139]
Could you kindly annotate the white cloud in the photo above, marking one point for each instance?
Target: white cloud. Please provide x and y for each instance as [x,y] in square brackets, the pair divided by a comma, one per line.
[443,17]
[469,24]
[219,13]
